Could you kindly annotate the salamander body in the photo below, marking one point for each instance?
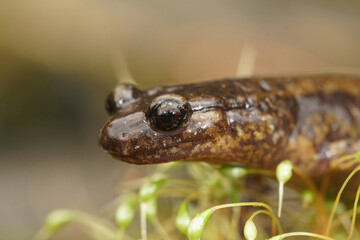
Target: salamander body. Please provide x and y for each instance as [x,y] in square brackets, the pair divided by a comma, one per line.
[255,122]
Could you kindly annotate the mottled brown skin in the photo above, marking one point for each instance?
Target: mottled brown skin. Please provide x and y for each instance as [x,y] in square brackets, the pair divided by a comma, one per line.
[255,122]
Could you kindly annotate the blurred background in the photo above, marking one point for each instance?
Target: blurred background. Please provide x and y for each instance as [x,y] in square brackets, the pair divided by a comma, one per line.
[59,59]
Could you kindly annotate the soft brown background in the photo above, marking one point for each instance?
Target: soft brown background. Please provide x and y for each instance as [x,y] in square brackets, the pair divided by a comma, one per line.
[59,59]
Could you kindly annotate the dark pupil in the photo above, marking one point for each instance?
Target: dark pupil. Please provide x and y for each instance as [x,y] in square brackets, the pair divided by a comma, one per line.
[168,115]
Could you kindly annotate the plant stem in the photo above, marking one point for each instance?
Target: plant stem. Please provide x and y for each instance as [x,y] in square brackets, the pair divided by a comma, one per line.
[338,199]
[354,213]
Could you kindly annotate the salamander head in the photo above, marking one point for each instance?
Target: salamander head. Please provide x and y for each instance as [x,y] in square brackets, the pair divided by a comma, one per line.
[155,126]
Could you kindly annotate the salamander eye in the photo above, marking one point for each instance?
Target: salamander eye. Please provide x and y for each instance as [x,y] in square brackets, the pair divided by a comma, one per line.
[168,112]
[121,96]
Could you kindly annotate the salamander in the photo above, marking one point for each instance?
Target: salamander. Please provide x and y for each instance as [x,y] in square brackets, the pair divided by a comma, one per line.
[254,122]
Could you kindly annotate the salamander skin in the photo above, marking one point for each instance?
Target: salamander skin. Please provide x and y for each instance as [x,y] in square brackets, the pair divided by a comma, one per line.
[254,122]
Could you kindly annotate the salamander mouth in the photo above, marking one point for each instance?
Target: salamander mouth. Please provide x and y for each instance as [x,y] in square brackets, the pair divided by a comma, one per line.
[160,154]
[127,159]
[134,159]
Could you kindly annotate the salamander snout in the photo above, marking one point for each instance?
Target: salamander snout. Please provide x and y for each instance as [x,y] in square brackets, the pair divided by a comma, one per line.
[141,125]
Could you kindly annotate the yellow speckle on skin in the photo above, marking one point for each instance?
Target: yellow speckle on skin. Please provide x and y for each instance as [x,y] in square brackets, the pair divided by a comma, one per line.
[266,146]
[174,150]
[259,135]
[248,147]
[281,133]
[242,135]
[196,149]
[270,128]
[275,138]
[220,145]
[240,132]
